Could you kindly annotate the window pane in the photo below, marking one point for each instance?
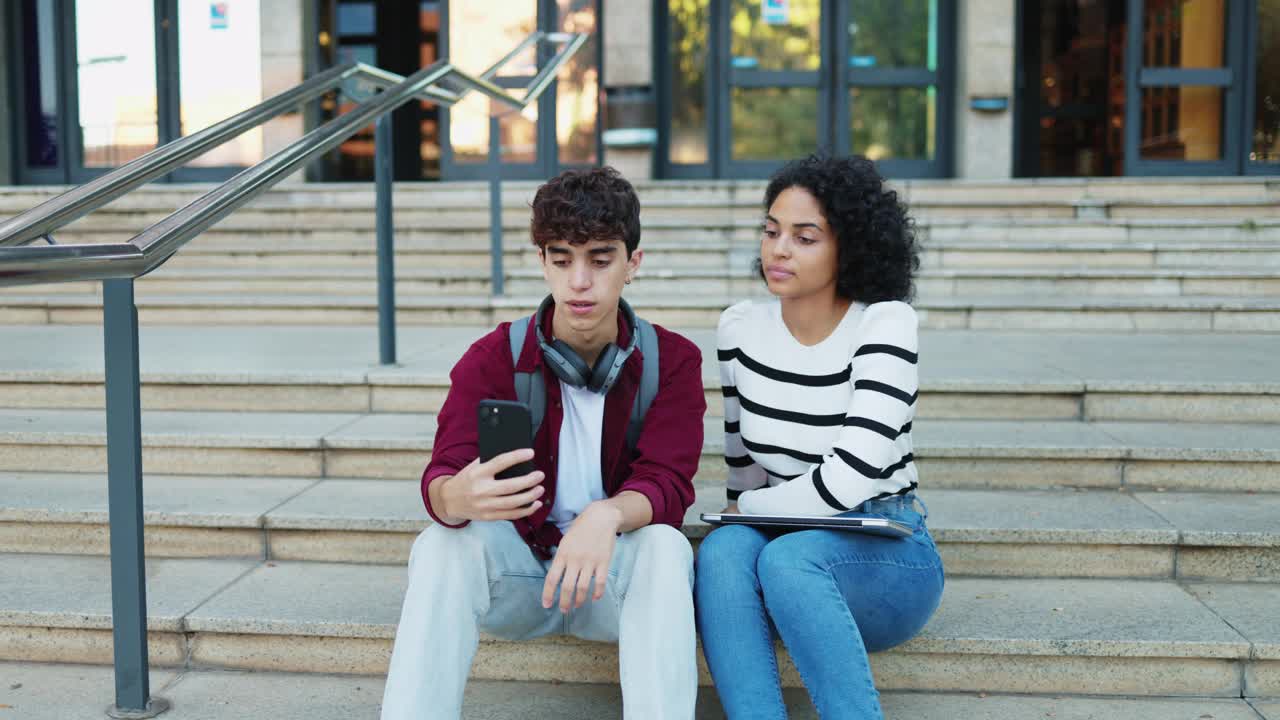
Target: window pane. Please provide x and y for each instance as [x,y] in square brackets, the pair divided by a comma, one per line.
[578,87]
[480,33]
[1182,123]
[774,123]
[1184,33]
[40,83]
[893,123]
[1266,111]
[220,74]
[357,18]
[690,24]
[903,33]
[117,80]
[775,34]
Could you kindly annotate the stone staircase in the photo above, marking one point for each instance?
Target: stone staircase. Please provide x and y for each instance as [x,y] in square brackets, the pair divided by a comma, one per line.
[1107,503]
[1159,255]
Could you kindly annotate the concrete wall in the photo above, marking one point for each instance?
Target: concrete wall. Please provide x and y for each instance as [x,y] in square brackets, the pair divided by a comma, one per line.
[985,67]
[7,98]
[282,68]
[629,121]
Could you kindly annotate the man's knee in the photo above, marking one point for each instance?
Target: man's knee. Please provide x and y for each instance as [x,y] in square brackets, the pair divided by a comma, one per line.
[664,547]
[438,544]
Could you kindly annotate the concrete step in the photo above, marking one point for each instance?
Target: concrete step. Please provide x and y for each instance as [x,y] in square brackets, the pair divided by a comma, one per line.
[999,312]
[353,230]
[988,533]
[950,453]
[42,694]
[964,374]
[516,192]
[714,207]
[1045,636]
[736,280]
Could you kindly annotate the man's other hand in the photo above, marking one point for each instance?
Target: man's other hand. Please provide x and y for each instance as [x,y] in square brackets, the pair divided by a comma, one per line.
[584,553]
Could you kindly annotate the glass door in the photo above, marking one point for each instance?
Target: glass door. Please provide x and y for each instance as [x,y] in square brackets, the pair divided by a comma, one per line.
[115,100]
[1185,87]
[1262,106]
[479,33]
[776,100]
[892,85]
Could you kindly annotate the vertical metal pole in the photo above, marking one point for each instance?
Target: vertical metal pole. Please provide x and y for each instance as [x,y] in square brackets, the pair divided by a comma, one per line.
[386,251]
[124,483]
[496,276]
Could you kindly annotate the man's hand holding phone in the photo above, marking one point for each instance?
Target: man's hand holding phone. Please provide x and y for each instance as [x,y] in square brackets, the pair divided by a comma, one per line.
[475,494]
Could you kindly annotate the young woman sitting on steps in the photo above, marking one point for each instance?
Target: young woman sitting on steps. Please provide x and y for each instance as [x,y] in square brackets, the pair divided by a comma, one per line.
[820,389]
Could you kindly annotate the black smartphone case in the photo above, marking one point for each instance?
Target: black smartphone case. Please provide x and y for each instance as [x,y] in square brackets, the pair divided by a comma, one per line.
[505,426]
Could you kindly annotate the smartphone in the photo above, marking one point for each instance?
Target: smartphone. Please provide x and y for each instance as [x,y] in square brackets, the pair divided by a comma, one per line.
[505,426]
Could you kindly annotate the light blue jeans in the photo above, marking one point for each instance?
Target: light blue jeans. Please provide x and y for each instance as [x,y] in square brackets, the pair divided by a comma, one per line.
[831,595]
[483,577]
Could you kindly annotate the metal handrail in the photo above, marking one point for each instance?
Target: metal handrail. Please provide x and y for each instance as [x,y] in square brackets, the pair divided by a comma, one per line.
[117,265]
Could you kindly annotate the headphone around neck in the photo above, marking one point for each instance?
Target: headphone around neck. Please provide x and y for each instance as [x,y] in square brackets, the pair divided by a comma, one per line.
[572,369]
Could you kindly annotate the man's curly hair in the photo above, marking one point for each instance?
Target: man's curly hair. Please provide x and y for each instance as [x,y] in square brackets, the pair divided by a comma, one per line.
[582,205]
[878,253]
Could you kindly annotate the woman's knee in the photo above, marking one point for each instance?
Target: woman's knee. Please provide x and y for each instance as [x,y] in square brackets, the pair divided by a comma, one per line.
[731,545]
[788,560]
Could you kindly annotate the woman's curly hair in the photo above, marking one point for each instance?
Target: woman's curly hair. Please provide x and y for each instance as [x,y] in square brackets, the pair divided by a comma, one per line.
[878,253]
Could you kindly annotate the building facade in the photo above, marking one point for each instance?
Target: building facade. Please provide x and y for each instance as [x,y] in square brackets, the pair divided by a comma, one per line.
[666,88]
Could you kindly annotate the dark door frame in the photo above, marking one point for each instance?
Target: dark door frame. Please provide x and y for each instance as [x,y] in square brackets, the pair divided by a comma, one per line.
[833,80]
[1238,79]
[1231,78]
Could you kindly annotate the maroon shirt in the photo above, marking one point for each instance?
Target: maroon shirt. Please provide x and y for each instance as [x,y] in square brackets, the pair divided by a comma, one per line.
[665,458]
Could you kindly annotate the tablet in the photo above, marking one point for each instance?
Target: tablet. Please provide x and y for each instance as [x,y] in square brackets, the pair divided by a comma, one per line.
[873,524]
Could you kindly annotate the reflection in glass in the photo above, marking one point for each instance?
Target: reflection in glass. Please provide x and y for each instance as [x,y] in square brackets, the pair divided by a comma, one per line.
[690,25]
[774,123]
[220,72]
[775,35]
[1080,104]
[893,123]
[1184,33]
[40,83]
[117,80]
[902,33]
[429,112]
[1266,109]
[578,87]
[1182,123]
[480,33]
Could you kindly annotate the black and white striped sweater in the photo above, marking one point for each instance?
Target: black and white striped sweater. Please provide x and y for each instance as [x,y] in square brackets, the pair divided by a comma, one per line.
[818,429]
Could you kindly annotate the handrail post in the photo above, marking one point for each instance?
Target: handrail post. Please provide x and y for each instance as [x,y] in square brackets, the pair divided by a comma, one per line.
[386,251]
[124,482]
[496,276]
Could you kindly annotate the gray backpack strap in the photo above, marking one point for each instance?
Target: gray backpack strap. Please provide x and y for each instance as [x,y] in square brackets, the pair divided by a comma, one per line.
[647,344]
[530,387]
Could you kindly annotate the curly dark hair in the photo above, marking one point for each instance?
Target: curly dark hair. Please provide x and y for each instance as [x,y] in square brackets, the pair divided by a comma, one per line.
[582,205]
[878,252]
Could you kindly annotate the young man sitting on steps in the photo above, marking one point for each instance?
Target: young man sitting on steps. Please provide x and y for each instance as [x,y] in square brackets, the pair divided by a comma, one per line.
[588,544]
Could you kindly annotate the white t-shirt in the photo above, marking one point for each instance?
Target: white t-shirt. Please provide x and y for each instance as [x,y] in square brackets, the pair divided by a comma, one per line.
[578,481]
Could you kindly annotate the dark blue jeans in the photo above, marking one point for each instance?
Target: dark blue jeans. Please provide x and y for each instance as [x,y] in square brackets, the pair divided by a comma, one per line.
[832,596]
